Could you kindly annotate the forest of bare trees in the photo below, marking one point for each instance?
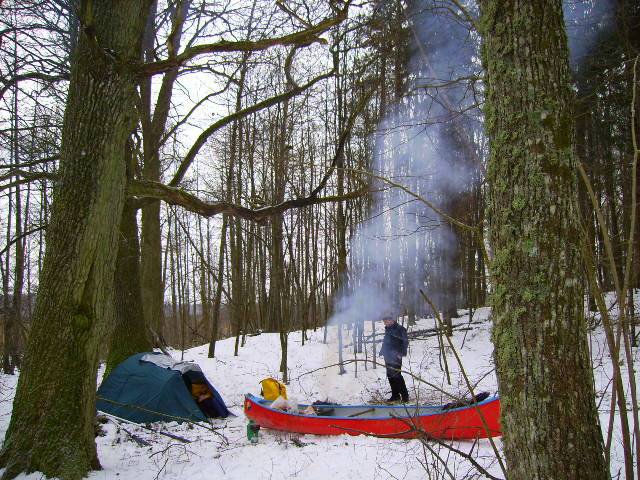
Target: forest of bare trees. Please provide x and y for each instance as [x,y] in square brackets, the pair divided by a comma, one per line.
[174,173]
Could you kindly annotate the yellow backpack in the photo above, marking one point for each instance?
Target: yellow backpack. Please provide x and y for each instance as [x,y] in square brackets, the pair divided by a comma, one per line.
[272,389]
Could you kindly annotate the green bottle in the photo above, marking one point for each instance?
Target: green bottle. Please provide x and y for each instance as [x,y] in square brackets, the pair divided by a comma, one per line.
[252,431]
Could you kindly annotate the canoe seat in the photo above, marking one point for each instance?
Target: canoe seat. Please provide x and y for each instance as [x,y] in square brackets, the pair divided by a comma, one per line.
[323,409]
[466,402]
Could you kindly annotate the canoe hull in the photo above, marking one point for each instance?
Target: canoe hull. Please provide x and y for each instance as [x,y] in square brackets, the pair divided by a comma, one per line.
[456,424]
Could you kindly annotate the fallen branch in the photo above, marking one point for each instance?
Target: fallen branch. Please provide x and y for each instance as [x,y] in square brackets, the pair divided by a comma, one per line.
[169,417]
[139,440]
[116,420]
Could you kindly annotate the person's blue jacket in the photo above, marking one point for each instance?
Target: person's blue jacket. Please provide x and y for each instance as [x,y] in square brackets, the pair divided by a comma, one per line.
[395,344]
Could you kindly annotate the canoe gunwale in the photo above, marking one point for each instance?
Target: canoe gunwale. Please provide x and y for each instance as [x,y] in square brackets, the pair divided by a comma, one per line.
[409,411]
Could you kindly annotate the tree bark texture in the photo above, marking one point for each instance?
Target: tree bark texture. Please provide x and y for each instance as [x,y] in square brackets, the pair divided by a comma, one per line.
[52,425]
[129,333]
[153,124]
[151,268]
[153,128]
[549,417]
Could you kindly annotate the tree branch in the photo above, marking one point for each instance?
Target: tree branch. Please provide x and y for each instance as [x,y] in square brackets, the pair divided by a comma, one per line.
[30,164]
[24,177]
[177,196]
[449,219]
[20,237]
[302,37]
[31,76]
[337,159]
[204,136]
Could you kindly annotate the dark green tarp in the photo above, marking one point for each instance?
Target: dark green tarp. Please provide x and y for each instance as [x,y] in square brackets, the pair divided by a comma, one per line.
[141,391]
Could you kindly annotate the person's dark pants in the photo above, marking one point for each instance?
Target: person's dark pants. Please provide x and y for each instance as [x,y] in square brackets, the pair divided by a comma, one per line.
[396,381]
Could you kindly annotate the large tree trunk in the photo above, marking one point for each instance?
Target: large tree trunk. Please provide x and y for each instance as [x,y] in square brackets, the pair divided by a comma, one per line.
[153,128]
[549,417]
[129,334]
[51,427]
[151,233]
[151,267]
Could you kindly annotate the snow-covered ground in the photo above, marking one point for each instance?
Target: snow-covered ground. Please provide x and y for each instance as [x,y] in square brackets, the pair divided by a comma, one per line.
[227,453]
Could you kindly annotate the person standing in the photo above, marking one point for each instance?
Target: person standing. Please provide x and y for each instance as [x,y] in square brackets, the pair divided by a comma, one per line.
[394,347]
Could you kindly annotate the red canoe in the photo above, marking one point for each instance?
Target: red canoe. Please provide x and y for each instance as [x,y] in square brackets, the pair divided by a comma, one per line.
[479,420]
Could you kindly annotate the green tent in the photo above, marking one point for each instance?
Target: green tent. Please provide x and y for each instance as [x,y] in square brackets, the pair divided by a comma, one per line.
[153,387]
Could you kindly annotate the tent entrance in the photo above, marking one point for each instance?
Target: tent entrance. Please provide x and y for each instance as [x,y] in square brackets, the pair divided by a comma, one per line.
[202,392]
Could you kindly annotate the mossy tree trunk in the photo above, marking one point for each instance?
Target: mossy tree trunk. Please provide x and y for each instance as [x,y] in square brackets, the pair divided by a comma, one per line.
[549,417]
[129,329]
[52,425]
[151,272]
[129,333]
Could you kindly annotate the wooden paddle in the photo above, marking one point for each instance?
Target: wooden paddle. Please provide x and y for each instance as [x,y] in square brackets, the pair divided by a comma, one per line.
[362,412]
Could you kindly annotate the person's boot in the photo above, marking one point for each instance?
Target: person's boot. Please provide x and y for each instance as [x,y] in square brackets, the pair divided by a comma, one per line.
[395,393]
[402,389]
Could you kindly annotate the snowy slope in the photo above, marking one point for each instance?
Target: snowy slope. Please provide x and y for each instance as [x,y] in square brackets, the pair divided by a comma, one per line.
[226,453]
